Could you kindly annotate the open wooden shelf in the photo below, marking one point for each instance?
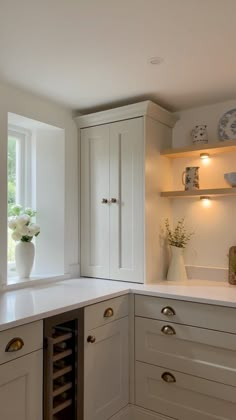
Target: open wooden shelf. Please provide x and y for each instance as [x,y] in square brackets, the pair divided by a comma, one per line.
[211,148]
[211,192]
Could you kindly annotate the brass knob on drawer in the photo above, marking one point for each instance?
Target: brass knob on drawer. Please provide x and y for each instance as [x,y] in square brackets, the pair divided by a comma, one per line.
[168,330]
[108,313]
[91,339]
[168,377]
[15,344]
[168,311]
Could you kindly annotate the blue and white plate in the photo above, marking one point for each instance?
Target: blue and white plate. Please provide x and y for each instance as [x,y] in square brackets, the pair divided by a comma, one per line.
[227,126]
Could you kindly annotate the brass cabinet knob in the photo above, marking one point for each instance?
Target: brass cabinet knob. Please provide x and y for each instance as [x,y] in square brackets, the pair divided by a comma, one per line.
[104,201]
[91,339]
[168,311]
[108,313]
[15,344]
[168,330]
[113,200]
[168,377]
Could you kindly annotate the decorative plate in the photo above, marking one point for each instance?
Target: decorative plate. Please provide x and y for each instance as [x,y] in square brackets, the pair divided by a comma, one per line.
[227,126]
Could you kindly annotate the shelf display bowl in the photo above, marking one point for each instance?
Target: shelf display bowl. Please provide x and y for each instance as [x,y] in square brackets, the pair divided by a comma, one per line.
[230,178]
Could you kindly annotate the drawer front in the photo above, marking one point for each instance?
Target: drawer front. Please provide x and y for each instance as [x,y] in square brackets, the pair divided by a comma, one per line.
[21,340]
[200,352]
[189,313]
[186,398]
[107,311]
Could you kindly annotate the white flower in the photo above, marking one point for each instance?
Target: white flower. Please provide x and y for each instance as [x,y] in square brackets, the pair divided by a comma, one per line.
[16,236]
[23,230]
[30,231]
[23,220]
[12,223]
[33,229]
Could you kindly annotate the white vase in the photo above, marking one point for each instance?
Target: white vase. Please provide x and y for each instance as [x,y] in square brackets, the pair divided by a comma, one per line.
[24,255]
[176,271]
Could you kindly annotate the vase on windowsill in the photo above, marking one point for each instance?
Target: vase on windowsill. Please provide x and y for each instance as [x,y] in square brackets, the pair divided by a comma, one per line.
[24,256]
[23,232]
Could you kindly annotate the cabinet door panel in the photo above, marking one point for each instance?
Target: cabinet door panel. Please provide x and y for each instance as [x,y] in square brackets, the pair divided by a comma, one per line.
[21,388]
[106,380]
[94,213]
[126,185]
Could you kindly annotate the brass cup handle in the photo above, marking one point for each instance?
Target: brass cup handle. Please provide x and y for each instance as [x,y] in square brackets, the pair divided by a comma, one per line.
[168,377]
[15,344]
[104,201]
[113,200]
[108,313]
[168,330]
[91,339]
[168,311]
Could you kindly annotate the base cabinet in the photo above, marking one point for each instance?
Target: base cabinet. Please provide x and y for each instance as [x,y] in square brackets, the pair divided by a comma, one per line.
[106,370]
[183,370]
[21,388]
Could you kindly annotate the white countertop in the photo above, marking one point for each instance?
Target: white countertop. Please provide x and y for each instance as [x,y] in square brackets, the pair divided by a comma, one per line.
[22,306]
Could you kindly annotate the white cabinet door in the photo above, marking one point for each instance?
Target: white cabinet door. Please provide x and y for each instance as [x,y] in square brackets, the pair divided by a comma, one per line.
[21,388]
[126,187]
[106,371]
[95,212]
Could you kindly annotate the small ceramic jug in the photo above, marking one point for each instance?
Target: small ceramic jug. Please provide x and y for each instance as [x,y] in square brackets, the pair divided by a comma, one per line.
[190,178]
[199,134]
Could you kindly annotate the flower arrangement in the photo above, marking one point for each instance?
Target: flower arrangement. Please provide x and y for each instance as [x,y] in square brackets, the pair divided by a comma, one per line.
[21,225]
[179,236]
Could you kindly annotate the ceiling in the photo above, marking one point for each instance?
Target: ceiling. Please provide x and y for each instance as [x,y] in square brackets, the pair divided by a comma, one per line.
[90,54]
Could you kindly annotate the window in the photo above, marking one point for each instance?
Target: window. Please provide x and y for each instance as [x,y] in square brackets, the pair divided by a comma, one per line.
[19,179]
[36,179]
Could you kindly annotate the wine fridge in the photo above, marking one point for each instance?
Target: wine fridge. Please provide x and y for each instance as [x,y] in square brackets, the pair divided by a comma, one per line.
[63,366]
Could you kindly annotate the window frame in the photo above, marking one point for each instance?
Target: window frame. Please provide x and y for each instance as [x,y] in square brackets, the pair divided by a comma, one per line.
[23,164]
[24,174]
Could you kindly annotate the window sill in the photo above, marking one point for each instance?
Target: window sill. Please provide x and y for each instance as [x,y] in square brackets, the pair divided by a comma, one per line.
[14,283]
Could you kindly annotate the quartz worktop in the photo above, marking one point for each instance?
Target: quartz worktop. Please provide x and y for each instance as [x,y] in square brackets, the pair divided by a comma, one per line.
[22,306]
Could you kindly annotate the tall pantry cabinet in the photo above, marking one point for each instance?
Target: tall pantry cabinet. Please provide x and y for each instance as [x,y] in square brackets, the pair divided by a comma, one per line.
[120,178]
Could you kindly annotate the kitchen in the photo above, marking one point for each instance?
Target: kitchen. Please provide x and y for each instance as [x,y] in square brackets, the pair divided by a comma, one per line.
[85,336]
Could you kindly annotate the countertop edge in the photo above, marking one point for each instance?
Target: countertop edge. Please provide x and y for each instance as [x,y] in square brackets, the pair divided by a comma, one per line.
[190,293]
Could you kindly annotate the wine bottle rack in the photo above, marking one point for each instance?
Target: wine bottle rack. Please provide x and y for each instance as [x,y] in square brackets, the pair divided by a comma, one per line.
[63,367]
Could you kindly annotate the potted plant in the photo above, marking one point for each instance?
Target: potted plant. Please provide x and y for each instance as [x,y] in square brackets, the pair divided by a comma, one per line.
[177,238]
[20,222]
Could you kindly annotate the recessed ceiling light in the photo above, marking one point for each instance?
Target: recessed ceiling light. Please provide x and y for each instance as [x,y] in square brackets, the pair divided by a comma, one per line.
[155,60]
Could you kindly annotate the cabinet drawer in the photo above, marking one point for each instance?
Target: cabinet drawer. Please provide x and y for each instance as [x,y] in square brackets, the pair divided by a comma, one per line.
[200,352]
[187,398]
[104,312]
[189,313]
[30,336]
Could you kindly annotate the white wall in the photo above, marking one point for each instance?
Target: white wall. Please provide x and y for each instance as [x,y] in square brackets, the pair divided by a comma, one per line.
[215,228]
[20,102]
[49,201]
